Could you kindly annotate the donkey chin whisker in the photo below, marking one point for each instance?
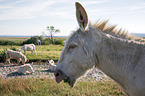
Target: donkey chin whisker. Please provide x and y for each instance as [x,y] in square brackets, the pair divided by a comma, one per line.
[66,80]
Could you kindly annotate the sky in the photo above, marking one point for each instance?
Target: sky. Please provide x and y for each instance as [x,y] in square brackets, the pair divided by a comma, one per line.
[31,17]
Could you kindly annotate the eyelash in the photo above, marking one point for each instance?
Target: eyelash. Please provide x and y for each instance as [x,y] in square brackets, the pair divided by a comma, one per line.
[71,47]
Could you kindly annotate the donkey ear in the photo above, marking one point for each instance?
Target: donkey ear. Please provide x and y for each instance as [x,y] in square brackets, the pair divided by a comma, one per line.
[81,16]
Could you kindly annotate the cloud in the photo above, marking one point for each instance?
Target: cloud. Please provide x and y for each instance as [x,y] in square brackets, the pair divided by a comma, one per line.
[138,7]
[27,9]
[94,2]
[5,7]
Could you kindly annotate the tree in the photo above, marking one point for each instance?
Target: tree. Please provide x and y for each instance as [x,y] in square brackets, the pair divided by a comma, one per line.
[51,33]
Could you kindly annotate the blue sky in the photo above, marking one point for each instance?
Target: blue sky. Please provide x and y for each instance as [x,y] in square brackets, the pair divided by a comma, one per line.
[31,17]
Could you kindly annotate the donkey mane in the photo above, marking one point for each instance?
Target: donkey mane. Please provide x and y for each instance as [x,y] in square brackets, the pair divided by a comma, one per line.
[111,29]
[107,28]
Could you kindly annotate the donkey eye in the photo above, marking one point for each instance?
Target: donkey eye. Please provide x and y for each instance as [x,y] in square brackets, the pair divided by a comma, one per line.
[72,46]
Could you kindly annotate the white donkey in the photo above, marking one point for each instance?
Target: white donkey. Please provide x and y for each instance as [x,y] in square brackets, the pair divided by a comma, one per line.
[120,58]
[51,65]
[26,68]
[10,54]
[28,47]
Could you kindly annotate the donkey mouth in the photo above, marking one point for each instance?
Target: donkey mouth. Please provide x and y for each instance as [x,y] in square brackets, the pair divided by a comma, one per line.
[71,82]
[59,76]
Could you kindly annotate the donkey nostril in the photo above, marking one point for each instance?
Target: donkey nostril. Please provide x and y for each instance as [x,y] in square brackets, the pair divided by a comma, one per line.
[57,74]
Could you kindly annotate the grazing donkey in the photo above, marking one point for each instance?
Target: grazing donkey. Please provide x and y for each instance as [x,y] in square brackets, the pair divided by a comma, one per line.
[28,47]
[10,54]
[26,68]
[114,53]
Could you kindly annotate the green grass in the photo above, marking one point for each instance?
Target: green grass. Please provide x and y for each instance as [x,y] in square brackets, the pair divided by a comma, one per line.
[14,38]
[26,40]
[44,52]
[48,87]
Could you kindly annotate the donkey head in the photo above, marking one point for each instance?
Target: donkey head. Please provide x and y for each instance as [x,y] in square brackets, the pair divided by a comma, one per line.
[77,55]
[24,59]
[19,50]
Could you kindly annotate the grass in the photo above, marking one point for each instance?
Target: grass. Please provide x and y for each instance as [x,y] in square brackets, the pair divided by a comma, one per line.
[26,40]
[15,39]
[48,87]
[44,52]
[12,40]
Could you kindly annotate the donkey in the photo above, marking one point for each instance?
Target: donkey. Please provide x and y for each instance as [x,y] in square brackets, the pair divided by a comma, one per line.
[26,68]
[10,54]
[114,53]
[27,47]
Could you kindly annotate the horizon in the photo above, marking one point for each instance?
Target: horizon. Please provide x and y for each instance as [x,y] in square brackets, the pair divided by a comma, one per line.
[31,17]
[136,34]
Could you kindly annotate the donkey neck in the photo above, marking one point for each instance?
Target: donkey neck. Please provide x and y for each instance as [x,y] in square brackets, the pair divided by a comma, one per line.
[118,56]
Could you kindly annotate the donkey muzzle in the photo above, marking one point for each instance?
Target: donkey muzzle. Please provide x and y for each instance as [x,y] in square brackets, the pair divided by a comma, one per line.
[59,76]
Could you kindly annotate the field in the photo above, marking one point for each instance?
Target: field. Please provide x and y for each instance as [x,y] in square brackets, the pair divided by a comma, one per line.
[44,52]
[48,87]
[14,38]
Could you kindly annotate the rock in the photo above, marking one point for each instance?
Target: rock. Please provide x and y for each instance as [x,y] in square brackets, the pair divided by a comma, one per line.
[41,70]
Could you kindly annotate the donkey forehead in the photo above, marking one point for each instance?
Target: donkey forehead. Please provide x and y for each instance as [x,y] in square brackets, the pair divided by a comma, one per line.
[77,35]
[80,37]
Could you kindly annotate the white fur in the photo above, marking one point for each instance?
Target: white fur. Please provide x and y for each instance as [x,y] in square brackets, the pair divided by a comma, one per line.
[26,68]
[28,47]
[51,65]
[120,58]
[10,54]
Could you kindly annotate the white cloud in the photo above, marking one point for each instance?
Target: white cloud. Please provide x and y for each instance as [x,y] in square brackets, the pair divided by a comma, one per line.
[90,2]
[138,7]
[5,7]
[27,9]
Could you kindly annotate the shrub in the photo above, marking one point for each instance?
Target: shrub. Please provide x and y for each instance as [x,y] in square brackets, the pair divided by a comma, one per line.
[7,42]
[58,42]
[33,40]
[46,41]
[3,55]
[13,48]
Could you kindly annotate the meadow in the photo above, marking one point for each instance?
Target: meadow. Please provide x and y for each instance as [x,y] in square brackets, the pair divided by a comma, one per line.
[48,87]
[44,52]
